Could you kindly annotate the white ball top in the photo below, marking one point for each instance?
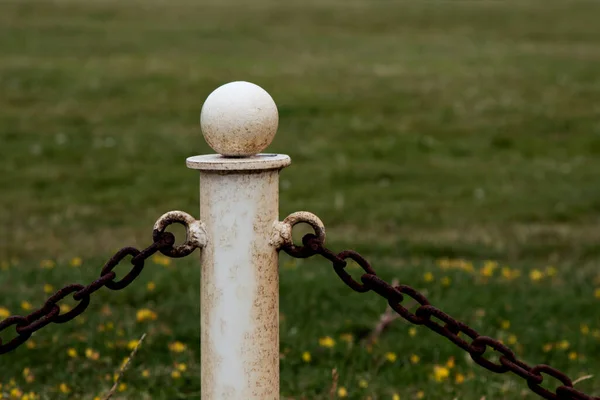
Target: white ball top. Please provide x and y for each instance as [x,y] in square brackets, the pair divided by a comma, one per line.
[239,119]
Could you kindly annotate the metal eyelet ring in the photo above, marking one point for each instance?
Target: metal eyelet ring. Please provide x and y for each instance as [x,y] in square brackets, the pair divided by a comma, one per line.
[194,230]
[303,217]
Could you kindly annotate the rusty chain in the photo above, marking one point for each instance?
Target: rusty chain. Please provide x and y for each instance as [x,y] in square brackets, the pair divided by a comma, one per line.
[25,326]
[451,328]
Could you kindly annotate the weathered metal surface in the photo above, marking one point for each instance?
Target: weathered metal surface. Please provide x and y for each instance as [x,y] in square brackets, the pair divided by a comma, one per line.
[217,162]
[239,201]
[282,231]
[240,281]
[194,230]
[239,119]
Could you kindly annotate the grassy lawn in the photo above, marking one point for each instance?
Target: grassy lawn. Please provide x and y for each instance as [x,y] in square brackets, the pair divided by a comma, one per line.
[454,144]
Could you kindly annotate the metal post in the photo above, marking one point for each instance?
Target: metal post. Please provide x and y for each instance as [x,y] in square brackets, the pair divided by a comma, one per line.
[239,201]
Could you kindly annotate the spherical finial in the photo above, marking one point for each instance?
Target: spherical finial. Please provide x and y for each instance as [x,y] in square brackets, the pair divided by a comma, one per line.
[239,119]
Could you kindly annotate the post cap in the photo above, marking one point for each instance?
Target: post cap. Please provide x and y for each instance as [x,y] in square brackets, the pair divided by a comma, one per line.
[239,119]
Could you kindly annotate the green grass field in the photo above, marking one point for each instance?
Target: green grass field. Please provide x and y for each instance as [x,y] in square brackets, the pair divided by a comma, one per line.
[454,144]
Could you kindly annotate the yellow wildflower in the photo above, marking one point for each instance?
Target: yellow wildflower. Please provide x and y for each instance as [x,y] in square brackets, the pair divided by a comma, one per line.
[391,357]
[65,308]
[31,344]
[363,384]
[161,260]
[63,388]
[512,339]
[420,394]
[181,367]
[547,347]
[47,264]
[536,275]
[145,315]
[446,281]
[76,262]
[412,331]
[16,392]
[25,305]
[122,387]
[151,286]
[551,271]
[175,374]
[72,352]
[48,288]
[347,337]
[146,373]
[306,356]
[91,354]
[573,355]
[177,347]
[597,293]
[505,324]
[459,378]
[326,341]
[487,270]
[440,373]
[4,313]
[395,396]
[563,345]
[132,344]
[585,330]
[428,277]
[342,392]
[450,363]
[414,358]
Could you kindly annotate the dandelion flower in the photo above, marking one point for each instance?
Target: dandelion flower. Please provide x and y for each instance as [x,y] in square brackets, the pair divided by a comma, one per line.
[326,341]
[342,392]
[76,262]
[177,347]
[145,315]
[64,388]
[440,373]
[459,378]
[306,356]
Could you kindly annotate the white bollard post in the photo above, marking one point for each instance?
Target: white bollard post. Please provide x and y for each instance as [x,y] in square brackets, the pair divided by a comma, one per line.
[239,203]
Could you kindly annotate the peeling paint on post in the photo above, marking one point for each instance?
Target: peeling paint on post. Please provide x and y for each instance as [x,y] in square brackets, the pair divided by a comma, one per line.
[239,204]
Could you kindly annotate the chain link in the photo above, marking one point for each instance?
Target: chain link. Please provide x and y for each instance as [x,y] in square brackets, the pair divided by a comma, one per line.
[450,327]
[25,326]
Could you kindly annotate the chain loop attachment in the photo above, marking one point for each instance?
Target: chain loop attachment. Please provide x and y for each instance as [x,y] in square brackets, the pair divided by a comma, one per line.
[195,231]
[282,234]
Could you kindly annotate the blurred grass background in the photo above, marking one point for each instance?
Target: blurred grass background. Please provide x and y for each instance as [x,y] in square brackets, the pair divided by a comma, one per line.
[419,131]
